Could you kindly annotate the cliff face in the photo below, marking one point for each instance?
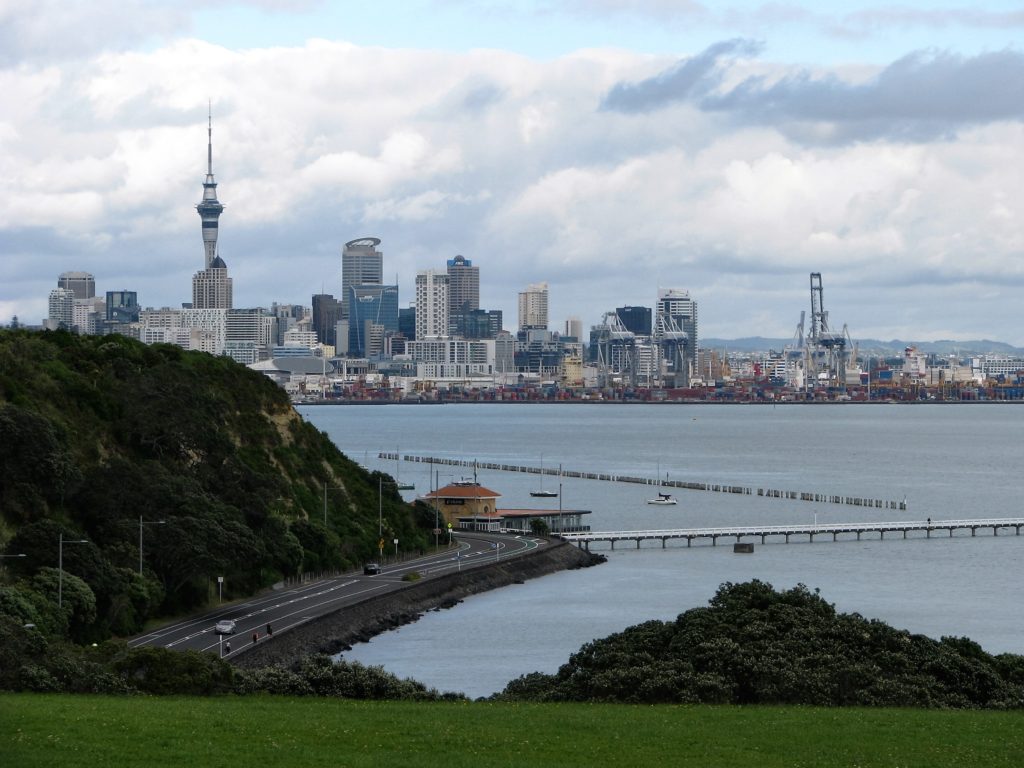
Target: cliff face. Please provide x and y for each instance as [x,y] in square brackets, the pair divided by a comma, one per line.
[338,631]
[107,440]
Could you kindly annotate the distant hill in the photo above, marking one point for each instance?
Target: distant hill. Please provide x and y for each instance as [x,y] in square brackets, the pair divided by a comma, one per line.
[875,346]
[100,432]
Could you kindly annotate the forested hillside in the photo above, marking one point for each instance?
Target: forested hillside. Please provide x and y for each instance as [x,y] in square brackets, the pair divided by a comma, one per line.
[98,432]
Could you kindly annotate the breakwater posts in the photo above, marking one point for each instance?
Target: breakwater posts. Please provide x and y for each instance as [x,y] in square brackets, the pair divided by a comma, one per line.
[768,493]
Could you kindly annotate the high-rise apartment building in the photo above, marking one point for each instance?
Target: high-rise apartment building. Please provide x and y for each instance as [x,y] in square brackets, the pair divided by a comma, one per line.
[361,264]
[431,304]
[463,285]
[61,309]
[533,307]
[82,284]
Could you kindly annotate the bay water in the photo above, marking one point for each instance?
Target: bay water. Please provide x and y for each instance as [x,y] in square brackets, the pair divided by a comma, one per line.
[945,461]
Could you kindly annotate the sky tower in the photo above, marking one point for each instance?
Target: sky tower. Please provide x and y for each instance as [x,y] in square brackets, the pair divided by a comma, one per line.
[210,208]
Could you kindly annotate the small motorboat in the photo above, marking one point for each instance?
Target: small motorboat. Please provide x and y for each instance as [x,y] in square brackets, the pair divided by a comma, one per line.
[664,499]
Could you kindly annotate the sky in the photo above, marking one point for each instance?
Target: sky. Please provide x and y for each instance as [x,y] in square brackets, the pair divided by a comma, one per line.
[608,147]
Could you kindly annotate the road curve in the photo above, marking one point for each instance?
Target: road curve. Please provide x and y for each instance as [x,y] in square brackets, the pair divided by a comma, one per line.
[288,608]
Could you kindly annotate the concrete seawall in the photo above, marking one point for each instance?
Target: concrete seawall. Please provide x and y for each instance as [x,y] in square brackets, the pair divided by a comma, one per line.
[337,631]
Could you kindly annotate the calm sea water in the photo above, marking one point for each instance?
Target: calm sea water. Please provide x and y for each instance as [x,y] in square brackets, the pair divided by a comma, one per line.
[946,460]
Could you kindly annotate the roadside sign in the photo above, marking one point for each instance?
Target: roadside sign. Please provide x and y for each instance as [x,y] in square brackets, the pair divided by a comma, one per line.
[437,531]
[449,526]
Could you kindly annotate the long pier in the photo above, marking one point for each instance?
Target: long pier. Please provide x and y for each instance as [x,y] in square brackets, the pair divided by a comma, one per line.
[805,533]
[771,493]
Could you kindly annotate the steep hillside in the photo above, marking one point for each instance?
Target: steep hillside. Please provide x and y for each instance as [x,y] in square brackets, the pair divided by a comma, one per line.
[98,432]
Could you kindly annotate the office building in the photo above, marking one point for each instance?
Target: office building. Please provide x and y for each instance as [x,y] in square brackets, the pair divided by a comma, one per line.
[212,288]
[82,284]
[326,314]
[463,285]
[636,319]
[675,331]
[475,324]
[431,304]
[361,264]
[122,307]
[373,312]
[533,307]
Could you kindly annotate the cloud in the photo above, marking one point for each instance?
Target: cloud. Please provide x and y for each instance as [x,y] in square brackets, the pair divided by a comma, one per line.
[923,96]
[690,78]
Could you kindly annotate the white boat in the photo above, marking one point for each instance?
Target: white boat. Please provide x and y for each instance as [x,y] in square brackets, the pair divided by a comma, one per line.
[664,499]
[541,493]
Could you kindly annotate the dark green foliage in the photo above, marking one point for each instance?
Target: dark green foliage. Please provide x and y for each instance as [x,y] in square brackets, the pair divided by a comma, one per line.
[754,645]
[158,671]
[98,433]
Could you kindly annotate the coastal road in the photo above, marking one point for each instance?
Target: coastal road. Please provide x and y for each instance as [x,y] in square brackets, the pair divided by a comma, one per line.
[297,605]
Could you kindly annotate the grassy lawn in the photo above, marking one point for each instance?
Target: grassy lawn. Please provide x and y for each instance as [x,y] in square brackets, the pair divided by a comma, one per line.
[93,731]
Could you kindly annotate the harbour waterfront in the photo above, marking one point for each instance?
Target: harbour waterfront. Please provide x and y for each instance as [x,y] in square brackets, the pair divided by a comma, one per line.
[946,460]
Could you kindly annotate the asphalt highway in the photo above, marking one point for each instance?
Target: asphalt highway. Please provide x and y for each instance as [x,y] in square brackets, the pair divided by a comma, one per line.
[290,607]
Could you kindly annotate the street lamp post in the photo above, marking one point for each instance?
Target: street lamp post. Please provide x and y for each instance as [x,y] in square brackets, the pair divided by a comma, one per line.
[142,523]
[326,489]
[60,565]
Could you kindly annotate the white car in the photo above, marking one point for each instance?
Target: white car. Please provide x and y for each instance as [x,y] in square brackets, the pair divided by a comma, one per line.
[225,627]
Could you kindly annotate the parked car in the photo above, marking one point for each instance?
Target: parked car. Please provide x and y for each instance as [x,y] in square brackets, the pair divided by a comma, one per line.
[371,569]
[225,627]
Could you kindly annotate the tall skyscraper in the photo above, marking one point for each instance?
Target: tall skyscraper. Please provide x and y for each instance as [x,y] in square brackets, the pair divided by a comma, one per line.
[361,264]
[211,286]
[82,284]
[533,307]
[463,285]
[431,304]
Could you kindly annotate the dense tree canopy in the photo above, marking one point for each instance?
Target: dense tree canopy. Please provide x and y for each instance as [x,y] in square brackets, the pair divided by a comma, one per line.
[104,438]
[755,645]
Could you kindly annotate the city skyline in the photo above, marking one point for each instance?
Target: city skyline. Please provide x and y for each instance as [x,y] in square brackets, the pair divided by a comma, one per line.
[622,149]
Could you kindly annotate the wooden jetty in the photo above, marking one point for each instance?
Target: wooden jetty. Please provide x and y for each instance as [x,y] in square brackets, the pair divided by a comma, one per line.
[805,533]
[771,493]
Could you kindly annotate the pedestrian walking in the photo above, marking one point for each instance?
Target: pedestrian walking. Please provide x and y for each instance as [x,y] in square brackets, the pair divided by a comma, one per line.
[227,647]
[270,630]
[255,637]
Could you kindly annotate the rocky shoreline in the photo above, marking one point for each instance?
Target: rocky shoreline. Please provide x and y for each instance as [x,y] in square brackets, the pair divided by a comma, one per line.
[337,631]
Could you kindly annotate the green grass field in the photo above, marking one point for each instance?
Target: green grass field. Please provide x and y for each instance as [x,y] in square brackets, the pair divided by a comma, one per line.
[93,731]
